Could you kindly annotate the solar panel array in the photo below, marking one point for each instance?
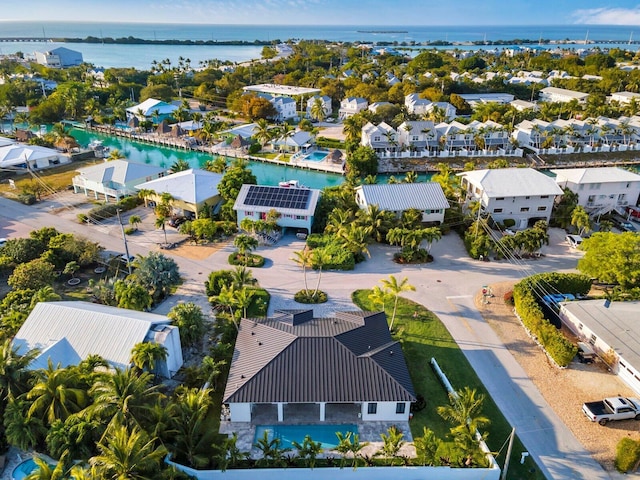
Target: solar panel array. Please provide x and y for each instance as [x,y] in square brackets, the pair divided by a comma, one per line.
[296,198]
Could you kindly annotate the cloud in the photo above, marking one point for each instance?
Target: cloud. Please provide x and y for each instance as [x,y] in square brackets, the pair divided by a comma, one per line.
[607,16]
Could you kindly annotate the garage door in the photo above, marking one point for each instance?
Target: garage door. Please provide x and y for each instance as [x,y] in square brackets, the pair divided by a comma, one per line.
[629,376]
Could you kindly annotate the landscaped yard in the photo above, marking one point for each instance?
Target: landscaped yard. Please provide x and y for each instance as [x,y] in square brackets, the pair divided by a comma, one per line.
[423,336]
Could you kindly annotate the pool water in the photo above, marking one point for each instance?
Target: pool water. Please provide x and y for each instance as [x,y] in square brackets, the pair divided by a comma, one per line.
[316,156]
[325,434]
[24,469]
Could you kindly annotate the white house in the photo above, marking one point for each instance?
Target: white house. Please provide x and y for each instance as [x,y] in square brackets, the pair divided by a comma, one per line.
[522,105]
[612,329]
[115,179]
[350,106]
[191,190]
[475,99]
[554,94]
[326,105]
[60,57]
[66,333]
[301,140]
[379,137]
[151,109]
[285,106]
[346,365]
[625,97]
[427,197]
[296,206]
[419,136]
[522,194]
[601,190]
[18,155]
[421,106]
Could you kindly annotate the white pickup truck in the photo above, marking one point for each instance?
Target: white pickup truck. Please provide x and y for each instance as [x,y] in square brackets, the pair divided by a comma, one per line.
[612,408]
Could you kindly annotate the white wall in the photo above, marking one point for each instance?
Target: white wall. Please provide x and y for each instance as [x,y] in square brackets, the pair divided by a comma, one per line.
[602,193]
[240,412]
[511,208]
[386,412]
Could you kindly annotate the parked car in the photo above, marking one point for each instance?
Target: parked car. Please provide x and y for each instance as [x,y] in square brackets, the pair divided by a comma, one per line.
[627,227]
[176,221]
[573,240]
[633,212]
[586,354]
[612,408]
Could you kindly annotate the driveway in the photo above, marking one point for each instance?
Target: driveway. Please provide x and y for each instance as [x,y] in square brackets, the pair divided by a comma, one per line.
[446,287]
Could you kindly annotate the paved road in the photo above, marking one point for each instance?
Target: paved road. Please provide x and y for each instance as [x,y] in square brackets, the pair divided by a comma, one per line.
[446,287]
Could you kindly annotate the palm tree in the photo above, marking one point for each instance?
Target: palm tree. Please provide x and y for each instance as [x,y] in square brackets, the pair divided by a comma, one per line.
[192,441]
[146,355]
[379,220]
[272,452]
[580,220]
[393,442]
[245,244]
[55,395]
[134,221]
[211,369]
[123,396]
[379,296]
[263,132]
[144,194]
[161,222]
[71,268]
[319,258]
[410,177]
[128,455]
[349,444]
[303,258]
[317,110]
[179,165]
[242,298]
[242,276]
[286,132]
[427,447]
[114,154]
[355,238]
[308,450]
[395,288]
[14,376]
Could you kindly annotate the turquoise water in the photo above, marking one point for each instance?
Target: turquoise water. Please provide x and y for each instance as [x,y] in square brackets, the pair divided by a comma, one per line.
[316,156]
[325,434]
[266,173]
[24,469]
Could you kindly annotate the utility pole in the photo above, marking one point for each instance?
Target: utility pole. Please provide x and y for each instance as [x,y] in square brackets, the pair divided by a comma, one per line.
[506,460]
[124,239]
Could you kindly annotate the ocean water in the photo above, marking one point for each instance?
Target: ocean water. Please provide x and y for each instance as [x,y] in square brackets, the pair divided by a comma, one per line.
[141,56]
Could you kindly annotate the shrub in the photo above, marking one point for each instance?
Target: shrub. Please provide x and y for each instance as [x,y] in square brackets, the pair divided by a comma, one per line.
[130,231]
[627,454]
[307,296]
[339,257]
[82,218]
[254,260]
[254,148]
[324,142]
[509,222]
[27,198]
[216,281]
[508,298]
[109,210]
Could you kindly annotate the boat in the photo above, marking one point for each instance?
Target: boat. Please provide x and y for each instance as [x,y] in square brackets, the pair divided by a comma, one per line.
[291,184]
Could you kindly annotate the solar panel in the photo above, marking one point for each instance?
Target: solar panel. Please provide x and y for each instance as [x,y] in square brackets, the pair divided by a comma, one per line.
[278,197]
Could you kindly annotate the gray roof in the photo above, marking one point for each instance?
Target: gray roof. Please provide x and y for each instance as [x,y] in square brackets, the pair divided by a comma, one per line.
[403,196]
[595,175]
[617,325]
[67,332]
[296,358]
[273,193]
[512,182]
[119,171]
[192,186]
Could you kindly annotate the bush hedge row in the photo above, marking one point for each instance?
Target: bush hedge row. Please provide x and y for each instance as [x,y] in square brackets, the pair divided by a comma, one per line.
[627,454]
[109,210]
[526,294]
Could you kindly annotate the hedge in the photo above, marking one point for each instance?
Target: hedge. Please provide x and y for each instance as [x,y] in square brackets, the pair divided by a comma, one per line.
[109,210]
[324,142]
[627,454]
[339,257]
[525,296]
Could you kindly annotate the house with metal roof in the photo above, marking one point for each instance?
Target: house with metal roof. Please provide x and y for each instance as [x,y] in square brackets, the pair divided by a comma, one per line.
[295,205]
[554,94]
[151,109]
[612,329]
[602,189]
[66,333]
[114,179]
[18,155]
[346,364]
[522,194]
[190,190]
[59,57]
[427,197]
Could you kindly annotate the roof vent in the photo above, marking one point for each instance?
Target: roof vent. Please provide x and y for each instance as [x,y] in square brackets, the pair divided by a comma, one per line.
[241,376]
[390,352]
[259,343]
[253,333]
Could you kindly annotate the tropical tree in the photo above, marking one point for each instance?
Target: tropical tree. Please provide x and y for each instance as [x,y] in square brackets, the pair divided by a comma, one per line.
[128,454]
[132,296]
[14,376]
[146,355]
[349,445]
[211,369]
[580,219]
[193,438]
[263,132]
[380,221]
[395,288]
[242,276]
[612,258]
[317,110]
[465,410]
[427,447]
[21,429]
[392,443]
[71,268]
[245,244]
[271,450]
[55,395]
[379,296]
[179,165]
[303,258]
[308,450]
[228,453]
[145,194]
[134,221]
[189,319]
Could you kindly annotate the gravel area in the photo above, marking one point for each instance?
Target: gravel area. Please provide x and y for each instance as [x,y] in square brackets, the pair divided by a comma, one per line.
[564,389]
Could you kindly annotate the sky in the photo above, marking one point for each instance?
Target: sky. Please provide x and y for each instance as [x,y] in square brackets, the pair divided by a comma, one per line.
[328,12]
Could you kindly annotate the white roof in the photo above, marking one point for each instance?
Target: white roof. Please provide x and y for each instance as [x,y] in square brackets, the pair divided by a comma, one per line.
[403,196]
[150,105]
[298,139]
[565,92]
[17,153]
[246,130]
[4,141]
[512,182]
[67,332]
[616,324]
[280,89]
[595,175]
[627,94]
[119,171]
[192,186]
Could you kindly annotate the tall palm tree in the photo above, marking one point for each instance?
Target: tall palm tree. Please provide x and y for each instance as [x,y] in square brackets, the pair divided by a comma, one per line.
[464,410]
[396,288]
[14,376]
[134,221]
[144,194]
[123,396]
[303,258]
[161,222]
[379,220]
[179,165]
[245,244]
[55,394]
[317,110]
[128,455]
[192,441]
[263,132]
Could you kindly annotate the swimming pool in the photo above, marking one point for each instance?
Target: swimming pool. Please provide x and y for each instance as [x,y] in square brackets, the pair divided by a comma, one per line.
[325,434]
[24,469]
[316,156]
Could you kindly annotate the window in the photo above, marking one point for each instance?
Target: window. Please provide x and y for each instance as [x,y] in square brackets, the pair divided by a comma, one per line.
[497,210]
[400,406]
[542,209]
[524,209]
[376,139]
[544,196]
[372,408]
[581,186]
[580,326]
[415,138]
[527,197]
[300,217]
[499,198]
[593,339]
[248,214]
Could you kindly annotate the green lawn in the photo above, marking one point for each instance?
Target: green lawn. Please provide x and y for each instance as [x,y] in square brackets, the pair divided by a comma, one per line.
[424,336]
